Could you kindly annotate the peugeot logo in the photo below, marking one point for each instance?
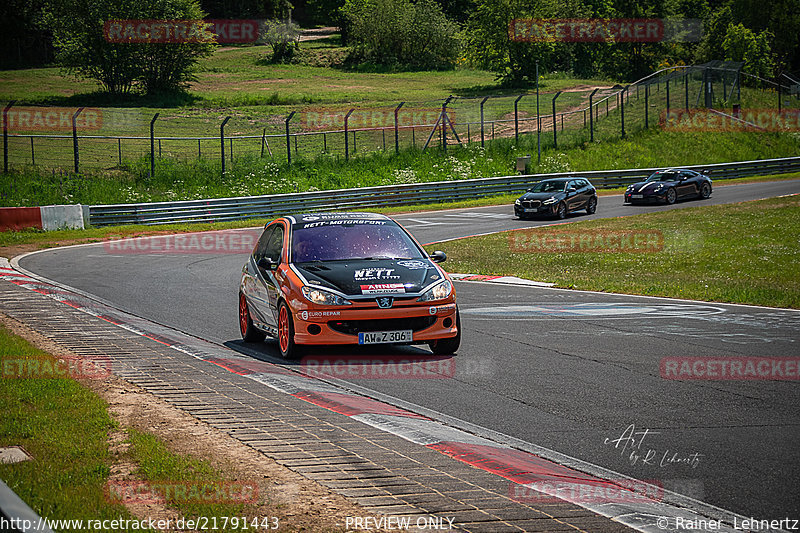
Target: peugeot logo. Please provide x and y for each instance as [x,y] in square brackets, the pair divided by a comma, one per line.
[385,303]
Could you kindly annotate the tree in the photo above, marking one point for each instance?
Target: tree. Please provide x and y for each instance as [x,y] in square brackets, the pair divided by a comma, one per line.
[742,44]
[83,50]
[401,32]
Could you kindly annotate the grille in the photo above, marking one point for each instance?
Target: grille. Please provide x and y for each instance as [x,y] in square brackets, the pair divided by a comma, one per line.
[531,203]
[354,327]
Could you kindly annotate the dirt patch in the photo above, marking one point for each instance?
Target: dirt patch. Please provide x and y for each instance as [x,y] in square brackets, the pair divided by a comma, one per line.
[299,503]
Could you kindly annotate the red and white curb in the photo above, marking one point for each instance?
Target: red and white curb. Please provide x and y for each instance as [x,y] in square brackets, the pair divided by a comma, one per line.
[514,463]
[47,218]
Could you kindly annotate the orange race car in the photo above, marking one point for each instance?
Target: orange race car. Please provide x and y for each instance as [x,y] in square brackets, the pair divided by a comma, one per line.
[346,278]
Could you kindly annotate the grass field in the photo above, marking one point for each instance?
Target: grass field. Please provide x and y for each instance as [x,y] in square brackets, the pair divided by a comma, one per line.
[64,426]
[742,253]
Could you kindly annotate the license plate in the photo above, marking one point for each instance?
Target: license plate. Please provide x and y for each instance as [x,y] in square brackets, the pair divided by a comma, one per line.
[637,195]
[532,210]
[383,337]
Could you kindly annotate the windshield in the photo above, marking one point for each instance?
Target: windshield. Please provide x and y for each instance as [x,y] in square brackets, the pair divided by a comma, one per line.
[549,186]
[352,240]
[669,175]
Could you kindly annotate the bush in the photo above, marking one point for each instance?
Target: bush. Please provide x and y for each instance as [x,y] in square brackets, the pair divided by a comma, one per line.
[283,38]
[401,32]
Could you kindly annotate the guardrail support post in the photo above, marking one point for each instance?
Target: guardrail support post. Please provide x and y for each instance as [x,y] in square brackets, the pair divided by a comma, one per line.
[75,138]
[152,146]
[346,140]
[622,110]
[288,143]
[482,102]
[397,129]
[591,120]
[222,142]
[5,135]
[516,119]
[555,129]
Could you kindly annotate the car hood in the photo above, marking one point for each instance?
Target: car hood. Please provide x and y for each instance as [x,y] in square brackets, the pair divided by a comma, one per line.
[372,276]
[643,187]
[540,195]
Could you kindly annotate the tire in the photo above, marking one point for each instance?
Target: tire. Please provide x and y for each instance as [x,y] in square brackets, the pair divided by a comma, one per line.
[246,327]
[561,212]
[671,196]
[448,346]
[591,207]
[705,191]
[286,343]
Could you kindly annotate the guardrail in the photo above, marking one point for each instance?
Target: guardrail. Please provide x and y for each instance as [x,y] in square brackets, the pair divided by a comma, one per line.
[216,210]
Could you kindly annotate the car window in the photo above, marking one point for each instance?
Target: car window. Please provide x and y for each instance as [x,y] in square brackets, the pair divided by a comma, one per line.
[263,241]
[340,241]
[549,186]
[275,244]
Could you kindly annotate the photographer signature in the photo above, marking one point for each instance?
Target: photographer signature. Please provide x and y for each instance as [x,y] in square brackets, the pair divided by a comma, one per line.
[631,443]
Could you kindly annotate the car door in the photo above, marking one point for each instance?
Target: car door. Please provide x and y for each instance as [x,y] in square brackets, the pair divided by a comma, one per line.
[573,195]
[256,284]
[688,185]
[274,252]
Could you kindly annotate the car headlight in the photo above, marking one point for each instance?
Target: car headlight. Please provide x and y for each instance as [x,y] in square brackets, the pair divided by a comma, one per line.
[517,202]
[550,200]
[631,187]
[323,297]
[440,291]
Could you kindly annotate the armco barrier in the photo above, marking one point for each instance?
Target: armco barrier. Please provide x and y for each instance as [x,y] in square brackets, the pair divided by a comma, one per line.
[215,210]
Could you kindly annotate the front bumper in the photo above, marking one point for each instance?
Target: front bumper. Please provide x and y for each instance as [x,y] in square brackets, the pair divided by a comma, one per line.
[340,325]
[646,198]
[544,210]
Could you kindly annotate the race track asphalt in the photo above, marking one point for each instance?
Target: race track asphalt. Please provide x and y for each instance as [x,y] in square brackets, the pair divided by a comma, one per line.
[571,371]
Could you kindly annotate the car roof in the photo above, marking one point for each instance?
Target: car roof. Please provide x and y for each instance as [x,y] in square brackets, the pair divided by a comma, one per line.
[307,218]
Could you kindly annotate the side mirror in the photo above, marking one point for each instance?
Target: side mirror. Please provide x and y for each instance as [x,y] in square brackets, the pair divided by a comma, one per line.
[705,172]
[438,257]
[265,263]
[572,189]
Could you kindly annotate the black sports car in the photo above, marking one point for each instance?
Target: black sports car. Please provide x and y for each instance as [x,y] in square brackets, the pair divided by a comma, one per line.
[557,197]
[668,186]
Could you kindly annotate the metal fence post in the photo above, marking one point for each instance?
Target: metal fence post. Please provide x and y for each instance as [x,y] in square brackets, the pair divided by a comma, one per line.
[777,80]
[516,118]
[622,110]
[482,102]
[346,139]
[75,138]
[153,147]
[555,129]
[222,141]
[686,90]
[667,86]
[397,129]
[288,143]
[646,106]
[444,123]
[591,120]
[5,135]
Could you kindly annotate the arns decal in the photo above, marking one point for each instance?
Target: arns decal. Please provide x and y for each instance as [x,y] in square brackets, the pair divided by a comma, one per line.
[383,288]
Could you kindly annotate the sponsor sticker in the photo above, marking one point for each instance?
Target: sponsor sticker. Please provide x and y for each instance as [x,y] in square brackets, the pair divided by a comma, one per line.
[414,264]
[383,288]
[306,315]
[366,274]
